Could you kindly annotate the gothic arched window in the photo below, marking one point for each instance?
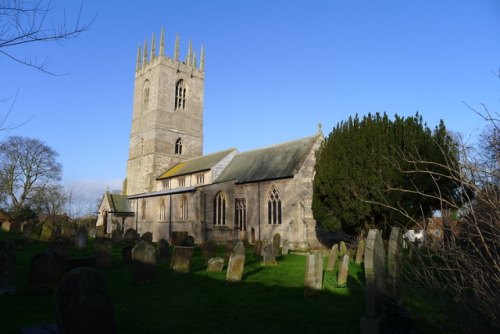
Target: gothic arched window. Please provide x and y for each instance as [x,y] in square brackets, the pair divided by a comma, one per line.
[220,209]
[274,206]
[162,209]
[178,146]
[180,95]
[241,214]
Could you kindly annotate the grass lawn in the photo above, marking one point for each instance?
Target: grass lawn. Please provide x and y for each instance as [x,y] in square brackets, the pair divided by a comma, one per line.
[268,300]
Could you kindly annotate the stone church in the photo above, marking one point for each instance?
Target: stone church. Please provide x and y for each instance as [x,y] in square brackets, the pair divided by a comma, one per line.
[171,186]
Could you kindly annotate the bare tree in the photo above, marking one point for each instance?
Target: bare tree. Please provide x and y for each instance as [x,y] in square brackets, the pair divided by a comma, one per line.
[49,200]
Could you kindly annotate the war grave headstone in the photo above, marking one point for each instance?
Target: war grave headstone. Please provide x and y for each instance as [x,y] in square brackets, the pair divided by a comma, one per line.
[286,247]
[7,273]
[81,238]
[117,236]
[313,280]
[163,250]
[82,304]
[360,250]
[276,243]
[257,249]
[394,258]
[46,271]
[148,237]
[332,258]
[6,226]
[181,259]
[215,264]
[209,249]
[144,260]
[188,241]
[130,236]
[343,271]
[228,251]
[102,251]
[177,237]
[236,263]
[268,255]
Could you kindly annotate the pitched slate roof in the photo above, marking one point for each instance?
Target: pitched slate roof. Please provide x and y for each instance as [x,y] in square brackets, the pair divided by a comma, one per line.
[274,162]
[118,204]
[203,163]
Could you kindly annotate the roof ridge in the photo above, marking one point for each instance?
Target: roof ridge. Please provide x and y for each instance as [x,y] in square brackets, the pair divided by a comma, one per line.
[280,144]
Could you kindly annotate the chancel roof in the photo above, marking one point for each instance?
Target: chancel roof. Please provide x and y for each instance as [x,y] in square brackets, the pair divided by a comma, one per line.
[274,162]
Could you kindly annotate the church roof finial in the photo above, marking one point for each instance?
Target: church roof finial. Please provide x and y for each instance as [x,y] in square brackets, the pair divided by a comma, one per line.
[194,59]
[145,55]
[162,42]
[202,59]
[152,56]
[176,47]
[320,128]
[138,60]
[189,57]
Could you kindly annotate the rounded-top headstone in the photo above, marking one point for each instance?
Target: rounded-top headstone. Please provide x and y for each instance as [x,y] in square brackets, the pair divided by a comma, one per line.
[188,241]
[130,235]
[144,252]
[148,237]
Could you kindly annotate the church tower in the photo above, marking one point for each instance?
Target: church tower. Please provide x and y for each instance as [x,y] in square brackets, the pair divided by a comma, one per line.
[167,119]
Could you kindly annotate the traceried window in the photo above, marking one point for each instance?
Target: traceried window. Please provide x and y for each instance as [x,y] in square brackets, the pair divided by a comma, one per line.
[274,207]
[220,209]
[184,208]
[182,181]
[180,95]
[200,178]
[178,146]
[162,209]
[241,214]
[143,209]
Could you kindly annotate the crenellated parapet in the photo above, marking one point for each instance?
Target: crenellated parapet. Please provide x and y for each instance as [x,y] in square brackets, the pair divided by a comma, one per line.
[151,58]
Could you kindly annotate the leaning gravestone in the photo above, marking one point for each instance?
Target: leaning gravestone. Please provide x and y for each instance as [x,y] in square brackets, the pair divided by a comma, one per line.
[332,258]
[81,238]
[102,251]
[46,271]
[7,273]
[6,226]
[215,264]
[163,250]
[394,262]
[375,281]
[82,304]
[257,249]
[360,251]
[148,237]
[343,248]
[343,271]
[236,263]
[286,247]
[130,236]
[209,250]
[268,255]
[181,259]
[276,243]
[144,259]
[313,280]
[117,236]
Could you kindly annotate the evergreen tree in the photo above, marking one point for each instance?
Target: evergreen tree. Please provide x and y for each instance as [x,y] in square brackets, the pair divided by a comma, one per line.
[371,170]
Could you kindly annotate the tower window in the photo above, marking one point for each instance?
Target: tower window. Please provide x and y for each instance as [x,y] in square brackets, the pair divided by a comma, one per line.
[274,207]
[220,209]
[180,95]
[178,146]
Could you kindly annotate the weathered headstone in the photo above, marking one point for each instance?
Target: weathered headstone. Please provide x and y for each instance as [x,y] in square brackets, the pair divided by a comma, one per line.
[313,280]
[188,241]
[130,236]
[286,247]
[332,258]
[215,264]
[6,226]
[148,237]
[47,231]
[46,271]
[257,249]
[177,237]
[82,304]
[127,254]
[7,273]
[394,258]
[342,249]
[228,250]
[102,251]
[117,236]
[81,238]
[163,250]
[268,255]
[343,271]
[209,250]
[360,251]
[181,259]
[144,259]
[236,263]
[99,231]
[276,243]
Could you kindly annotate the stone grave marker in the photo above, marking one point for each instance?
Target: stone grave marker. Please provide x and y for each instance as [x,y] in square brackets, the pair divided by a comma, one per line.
[102,251]
[332,258]
[343,271]
[144,260]
[188,241]
[81,238]
[127,254]
[148,237]
[117,236]
[27,228]
[215,264]
[6,226]
[257,249]
[286,247]
[47,231]
[268,255]
[313,280]
[236,263]
[130,236]
[7,273]
[239,248]
[360,250]
[342,248]
[163,250]
[394,258]
[209,250]
[82,304]
[99,231]
[276,243]
[228,250]
[177,238]
[181,259]
[46,271]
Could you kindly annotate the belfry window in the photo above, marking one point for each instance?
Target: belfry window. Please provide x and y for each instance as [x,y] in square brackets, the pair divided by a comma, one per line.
[180,95]
[178,146]
[220,209]
[274,207]
[241,214]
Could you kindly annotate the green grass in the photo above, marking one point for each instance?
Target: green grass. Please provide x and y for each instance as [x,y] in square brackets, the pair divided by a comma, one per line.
[268,300]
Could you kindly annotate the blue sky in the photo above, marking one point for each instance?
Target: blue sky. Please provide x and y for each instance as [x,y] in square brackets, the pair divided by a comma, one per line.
[274,69]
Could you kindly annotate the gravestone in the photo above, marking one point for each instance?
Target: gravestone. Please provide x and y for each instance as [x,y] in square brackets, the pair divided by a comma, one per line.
[46,271]
[163,250]
[117,236]
[102,251]
[394,258]
[127,254]
[36,231]
[6,226]
[177,238]
[7,273]
[148,237]
[188,241]
[286,247]
[130,236]
[257,249]
[276,243]
[342,249]
[236,263]
[181,259]
[374,263]
[47,231]
[360,251]
[27,228]
[144,260]
[268,255]
[215,264]
[228,250]
[99,231]
[82,304]
[343,271]
[92,232]
[81,238]
[209,250]
[332,258]
[313,280]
